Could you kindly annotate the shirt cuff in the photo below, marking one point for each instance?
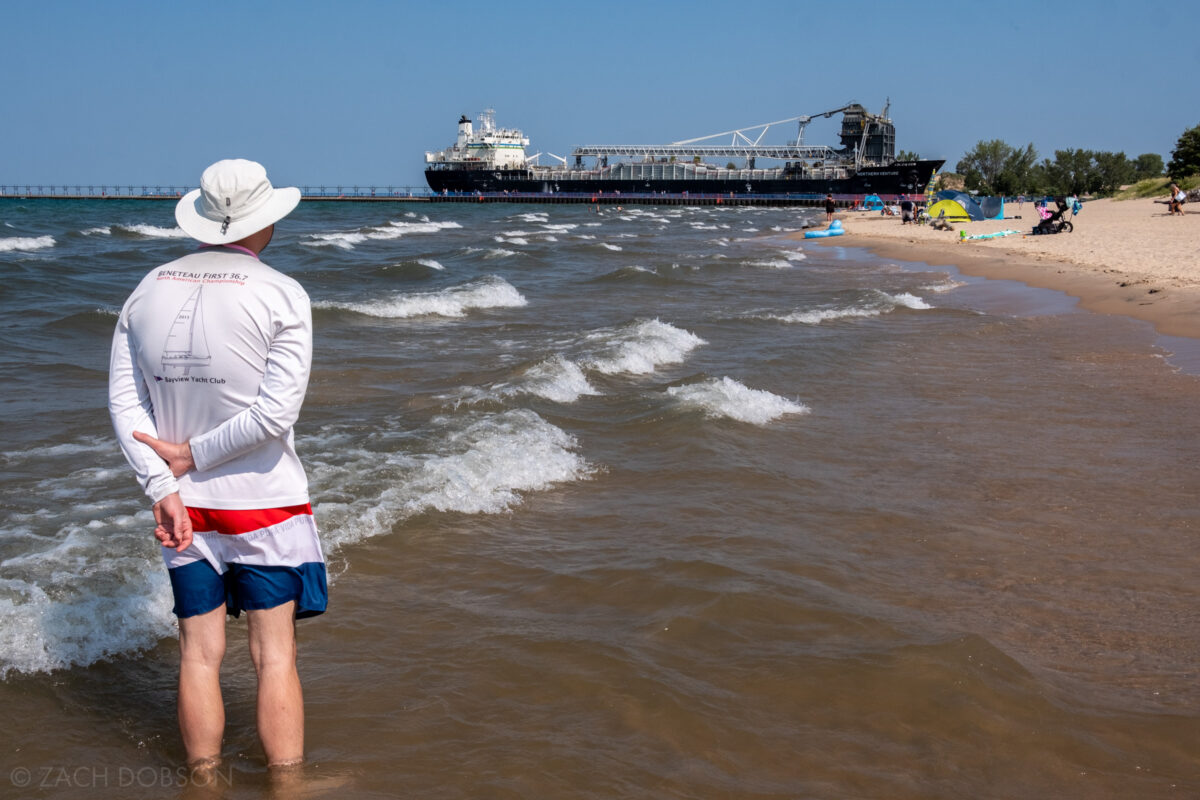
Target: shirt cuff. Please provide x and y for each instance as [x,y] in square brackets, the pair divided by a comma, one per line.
[161,486]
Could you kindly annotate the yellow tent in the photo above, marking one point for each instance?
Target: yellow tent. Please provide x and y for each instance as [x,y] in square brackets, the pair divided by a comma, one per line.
[952,208]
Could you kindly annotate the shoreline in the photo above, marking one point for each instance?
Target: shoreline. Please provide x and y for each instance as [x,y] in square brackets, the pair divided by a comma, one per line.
[1124,257]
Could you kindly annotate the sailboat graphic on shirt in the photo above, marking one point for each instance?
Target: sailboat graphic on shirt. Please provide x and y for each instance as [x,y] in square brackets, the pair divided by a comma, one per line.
[187,345]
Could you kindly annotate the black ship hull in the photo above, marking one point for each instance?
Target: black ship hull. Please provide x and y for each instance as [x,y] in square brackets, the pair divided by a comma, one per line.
[902,177]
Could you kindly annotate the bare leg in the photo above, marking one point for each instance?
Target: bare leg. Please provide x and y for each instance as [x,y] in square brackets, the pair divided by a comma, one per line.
[280,699]
[201,710]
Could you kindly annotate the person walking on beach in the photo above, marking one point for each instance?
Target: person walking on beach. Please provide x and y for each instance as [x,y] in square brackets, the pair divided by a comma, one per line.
[906,210]
[210,363]
[830,207]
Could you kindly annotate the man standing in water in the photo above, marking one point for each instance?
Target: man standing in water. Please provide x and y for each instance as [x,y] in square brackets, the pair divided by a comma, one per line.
[210,363]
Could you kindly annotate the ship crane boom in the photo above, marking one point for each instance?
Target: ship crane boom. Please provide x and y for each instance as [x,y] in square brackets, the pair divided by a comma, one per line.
[803,119]
[741,144]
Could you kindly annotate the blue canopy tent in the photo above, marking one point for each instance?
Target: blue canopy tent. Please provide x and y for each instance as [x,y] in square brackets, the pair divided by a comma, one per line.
[872,203]
[992,207]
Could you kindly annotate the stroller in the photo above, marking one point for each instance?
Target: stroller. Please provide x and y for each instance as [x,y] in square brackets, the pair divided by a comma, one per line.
[1053,222]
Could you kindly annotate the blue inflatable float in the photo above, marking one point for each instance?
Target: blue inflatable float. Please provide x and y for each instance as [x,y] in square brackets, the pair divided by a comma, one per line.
[834,229]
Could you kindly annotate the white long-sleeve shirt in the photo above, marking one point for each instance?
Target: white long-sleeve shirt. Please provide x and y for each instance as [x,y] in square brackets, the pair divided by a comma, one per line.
[214,348]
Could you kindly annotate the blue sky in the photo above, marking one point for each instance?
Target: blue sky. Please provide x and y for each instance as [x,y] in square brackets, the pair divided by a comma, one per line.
[354,92]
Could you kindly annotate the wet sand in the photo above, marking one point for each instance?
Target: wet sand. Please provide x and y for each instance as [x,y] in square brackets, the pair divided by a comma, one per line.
[1124,256]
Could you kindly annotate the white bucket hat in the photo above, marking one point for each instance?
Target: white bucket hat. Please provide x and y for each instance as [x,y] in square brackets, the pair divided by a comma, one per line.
[234,200]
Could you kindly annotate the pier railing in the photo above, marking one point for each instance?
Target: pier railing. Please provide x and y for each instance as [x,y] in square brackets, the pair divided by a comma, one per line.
[95,190]
[165,192]
[422,194]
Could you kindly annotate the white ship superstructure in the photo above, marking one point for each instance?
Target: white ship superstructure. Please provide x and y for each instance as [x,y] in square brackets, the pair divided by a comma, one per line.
[489,147]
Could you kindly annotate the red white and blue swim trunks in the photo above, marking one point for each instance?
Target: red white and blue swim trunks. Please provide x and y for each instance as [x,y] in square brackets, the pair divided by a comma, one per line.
[249,559]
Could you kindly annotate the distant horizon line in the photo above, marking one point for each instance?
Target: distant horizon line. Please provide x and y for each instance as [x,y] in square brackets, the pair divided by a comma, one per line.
[167,188]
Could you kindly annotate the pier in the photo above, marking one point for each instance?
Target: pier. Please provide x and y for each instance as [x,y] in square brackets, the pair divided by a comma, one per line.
[162,192]
[412,194]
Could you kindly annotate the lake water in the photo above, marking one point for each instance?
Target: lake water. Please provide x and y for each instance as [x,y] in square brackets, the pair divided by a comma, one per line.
[650,502]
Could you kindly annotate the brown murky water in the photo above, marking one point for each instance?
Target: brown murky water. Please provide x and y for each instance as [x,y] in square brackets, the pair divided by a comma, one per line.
[969,570]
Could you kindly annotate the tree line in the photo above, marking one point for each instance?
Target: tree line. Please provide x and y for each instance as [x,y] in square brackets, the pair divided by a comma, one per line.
[997,168]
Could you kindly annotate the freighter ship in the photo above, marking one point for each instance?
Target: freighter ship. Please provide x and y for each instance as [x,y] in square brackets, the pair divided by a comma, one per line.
[486,159]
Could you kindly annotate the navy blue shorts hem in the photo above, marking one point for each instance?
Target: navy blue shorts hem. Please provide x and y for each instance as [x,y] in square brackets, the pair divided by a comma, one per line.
[199,589]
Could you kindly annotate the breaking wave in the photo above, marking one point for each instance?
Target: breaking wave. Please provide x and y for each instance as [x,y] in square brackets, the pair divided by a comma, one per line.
[25,243]
[638,348]
[456,301]
[725,397]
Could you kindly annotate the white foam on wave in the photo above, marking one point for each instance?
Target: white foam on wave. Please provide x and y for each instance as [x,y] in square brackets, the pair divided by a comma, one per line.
[817,316]
[557,379]
[547,234]
[456,301]
[155,232]
[880,303]
[727,398]
[25,243]
[86,581]
[483,465]
[608,246]
[396,229]
[491,461]
[429,262]
[92,445]
[347,240]
[492,252]
[47,630]
[774,263]
[638,348]
[102,230]
[908,300]
[343,241]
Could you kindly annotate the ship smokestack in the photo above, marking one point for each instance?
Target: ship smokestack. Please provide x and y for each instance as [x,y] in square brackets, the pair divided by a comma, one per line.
[464,131]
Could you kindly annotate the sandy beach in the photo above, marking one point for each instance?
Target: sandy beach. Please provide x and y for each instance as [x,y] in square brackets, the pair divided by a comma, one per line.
[1123,257]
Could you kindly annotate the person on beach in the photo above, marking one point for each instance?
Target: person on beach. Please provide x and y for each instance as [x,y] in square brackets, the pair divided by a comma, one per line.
[830,207]
[210,363]
[906,210]
[1175,201]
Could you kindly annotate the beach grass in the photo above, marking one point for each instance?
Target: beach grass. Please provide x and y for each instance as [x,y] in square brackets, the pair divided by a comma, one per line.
[1155,187]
